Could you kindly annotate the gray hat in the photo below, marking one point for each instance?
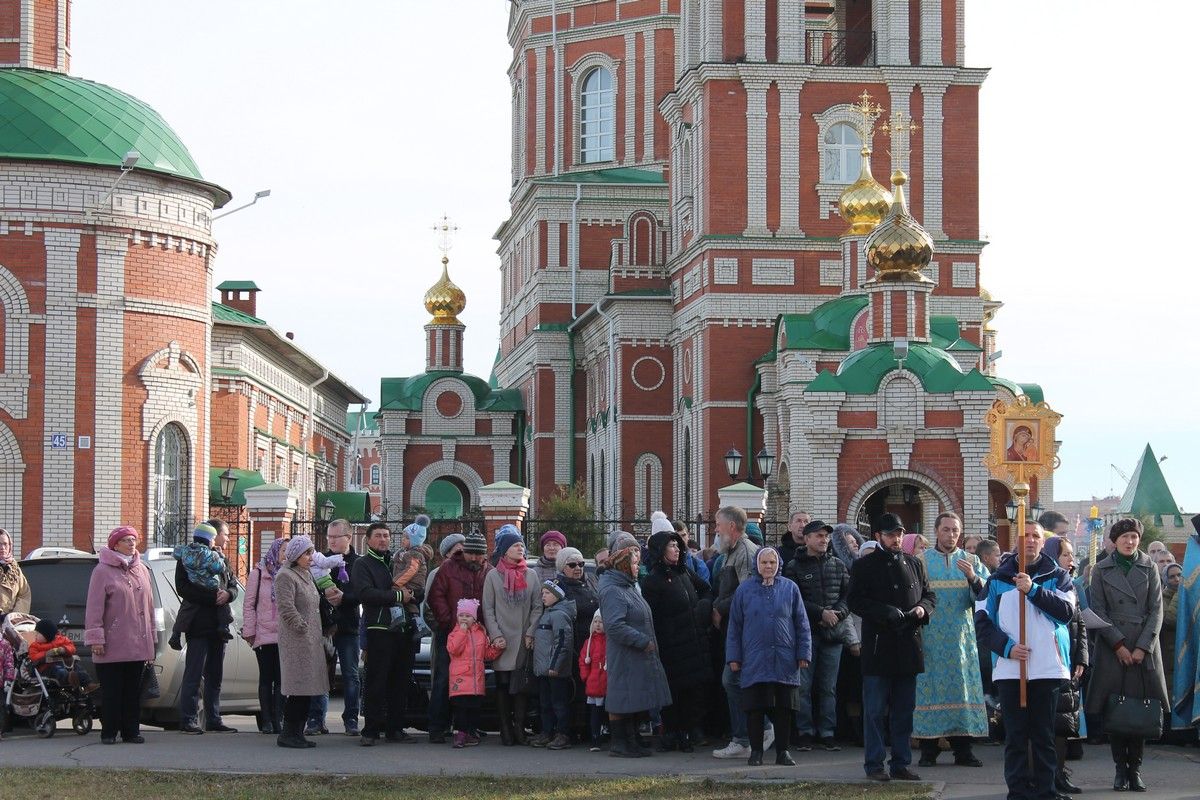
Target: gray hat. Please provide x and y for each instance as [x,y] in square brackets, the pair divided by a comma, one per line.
[619,540]
[447,544]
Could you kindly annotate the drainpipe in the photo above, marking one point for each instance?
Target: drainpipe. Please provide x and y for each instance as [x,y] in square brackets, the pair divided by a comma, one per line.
[311,425]
[750,395]
[571,395]
[574,316]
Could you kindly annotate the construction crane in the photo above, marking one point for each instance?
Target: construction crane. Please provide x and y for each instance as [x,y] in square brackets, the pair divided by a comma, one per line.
[1120,472]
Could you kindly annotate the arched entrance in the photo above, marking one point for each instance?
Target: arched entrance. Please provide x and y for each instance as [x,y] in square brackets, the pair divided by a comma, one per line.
[444,499]
[914,498]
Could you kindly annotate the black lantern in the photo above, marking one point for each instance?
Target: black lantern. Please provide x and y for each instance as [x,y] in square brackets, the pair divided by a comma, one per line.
[1010,511]
[326,511]
[228,484]
[733,463]
[765,461]
[1035,511]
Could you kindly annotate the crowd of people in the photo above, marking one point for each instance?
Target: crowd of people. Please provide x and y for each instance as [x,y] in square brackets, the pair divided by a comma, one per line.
[665,646]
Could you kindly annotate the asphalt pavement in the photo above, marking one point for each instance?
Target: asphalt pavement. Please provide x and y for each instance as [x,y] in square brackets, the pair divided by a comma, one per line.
[1172,773]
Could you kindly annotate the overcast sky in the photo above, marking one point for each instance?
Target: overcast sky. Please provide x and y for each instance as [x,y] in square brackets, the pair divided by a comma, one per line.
[370,119]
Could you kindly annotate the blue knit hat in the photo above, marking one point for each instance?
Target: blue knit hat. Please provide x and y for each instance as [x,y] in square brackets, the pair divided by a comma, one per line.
[506,537]
[205,531]
[417,531]
[754,533]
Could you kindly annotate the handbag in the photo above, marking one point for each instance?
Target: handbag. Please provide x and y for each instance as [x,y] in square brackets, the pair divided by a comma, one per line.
[150,688]
[521,680]
[1136,717]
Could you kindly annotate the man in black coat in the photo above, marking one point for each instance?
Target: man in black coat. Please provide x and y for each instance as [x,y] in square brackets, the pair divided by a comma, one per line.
[890,591]
[824,583]
[206,636]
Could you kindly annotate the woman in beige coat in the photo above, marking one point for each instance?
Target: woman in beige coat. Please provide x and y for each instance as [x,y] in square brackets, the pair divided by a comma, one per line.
[512,606]
[301,649]
[1126,593]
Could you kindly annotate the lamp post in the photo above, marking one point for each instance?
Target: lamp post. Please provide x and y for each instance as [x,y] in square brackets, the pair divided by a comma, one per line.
[228,483]
[326,511]
[763,460]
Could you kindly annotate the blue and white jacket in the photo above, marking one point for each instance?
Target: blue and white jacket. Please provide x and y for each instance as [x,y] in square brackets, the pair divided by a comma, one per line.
[1050,605]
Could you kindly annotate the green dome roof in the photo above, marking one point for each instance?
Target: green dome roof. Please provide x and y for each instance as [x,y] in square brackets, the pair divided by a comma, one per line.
[49,116]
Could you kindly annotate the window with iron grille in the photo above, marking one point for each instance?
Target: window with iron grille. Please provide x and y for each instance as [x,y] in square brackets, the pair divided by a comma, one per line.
[171,470]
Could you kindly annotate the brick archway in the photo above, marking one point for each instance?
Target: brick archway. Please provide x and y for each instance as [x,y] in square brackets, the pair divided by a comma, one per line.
[446,468]
[872,485]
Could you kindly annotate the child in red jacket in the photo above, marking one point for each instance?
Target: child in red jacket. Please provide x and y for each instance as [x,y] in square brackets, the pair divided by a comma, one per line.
[50,650]
[469,648]
[593,669]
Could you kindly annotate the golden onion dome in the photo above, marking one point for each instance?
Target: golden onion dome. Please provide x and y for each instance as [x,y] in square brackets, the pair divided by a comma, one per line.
[445,300]
[899,248]
[864,203]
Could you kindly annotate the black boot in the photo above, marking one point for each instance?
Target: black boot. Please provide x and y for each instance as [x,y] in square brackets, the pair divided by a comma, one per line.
[755,759]
[1062,782]
[504,711]
[1136,784]
[293,737]
[618,744]
[667,742]
[266,714]
[685,742]
[636,741]
[520,703]
[1121,781]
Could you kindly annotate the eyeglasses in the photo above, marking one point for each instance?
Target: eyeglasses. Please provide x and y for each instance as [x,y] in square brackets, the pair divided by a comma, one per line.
[575,564]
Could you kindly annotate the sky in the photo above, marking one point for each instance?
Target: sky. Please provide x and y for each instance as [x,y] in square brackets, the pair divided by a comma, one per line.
[370,120]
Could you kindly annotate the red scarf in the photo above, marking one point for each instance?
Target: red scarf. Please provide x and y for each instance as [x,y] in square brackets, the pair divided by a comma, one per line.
[514,576]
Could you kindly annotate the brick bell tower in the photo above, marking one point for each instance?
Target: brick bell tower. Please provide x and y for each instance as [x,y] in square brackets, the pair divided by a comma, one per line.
[36,34]
[444,333]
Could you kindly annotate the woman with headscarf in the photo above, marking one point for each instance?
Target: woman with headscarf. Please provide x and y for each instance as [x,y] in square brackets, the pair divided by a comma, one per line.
[546,567]
[769,642]
[914,544]
[1126,596]
[845,542]
[512,606]
[636,680]
[301,647]
[1068,719]
[260,629]
[681,605]
[119,628]
[14,589]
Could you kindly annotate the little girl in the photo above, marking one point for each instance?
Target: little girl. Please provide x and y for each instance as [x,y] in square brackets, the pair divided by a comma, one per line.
[593,669]
[469,648]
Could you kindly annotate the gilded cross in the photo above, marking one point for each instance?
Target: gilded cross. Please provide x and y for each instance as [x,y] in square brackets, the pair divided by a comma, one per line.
[445,230]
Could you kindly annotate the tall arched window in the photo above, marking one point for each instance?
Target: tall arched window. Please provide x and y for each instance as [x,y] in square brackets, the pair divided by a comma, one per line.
[374,474]
[687,472]
[842,154]
[171,470]
[597,117]
[603,505]
[358,475]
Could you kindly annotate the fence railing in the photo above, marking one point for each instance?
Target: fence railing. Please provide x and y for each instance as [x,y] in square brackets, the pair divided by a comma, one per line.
[840,48]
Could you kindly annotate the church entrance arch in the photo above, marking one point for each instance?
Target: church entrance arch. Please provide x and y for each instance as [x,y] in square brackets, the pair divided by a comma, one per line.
[915,498]
[444,499]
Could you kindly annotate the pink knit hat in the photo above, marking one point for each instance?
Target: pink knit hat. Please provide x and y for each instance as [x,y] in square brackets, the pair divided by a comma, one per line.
[120,533]
[468,605]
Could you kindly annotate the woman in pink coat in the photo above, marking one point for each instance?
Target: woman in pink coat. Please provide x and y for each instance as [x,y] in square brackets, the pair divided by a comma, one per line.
[119,627]
[260,629]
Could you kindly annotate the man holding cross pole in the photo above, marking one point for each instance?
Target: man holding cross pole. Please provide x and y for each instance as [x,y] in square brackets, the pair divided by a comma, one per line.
[1021,618]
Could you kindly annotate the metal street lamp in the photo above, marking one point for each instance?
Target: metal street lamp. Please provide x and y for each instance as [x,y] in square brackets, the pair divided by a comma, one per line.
[765,461]
[1036,510]
[733,463]
[326,511]
[1010,511]
[228,483]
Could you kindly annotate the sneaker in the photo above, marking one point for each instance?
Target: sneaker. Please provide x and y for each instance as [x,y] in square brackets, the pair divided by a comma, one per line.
[829,745]
[400,737]
[472,740]
[541,740]
[560,742]
[732,750]
[312,730]
[460,740]
[768,738]
[352,729]
[220,727]
[595,748]
[804,742]
[191,728]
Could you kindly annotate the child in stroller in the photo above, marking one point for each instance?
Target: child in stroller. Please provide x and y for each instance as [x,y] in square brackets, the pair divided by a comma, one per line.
[42,699]
[54,656]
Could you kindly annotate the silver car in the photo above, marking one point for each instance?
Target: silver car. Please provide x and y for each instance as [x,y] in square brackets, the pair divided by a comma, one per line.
[59,583]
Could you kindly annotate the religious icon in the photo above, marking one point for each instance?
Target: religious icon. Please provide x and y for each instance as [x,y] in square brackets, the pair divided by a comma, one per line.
[1022,441]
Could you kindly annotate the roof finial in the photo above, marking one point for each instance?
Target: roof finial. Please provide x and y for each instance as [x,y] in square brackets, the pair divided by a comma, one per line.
[901,128]
[445,230]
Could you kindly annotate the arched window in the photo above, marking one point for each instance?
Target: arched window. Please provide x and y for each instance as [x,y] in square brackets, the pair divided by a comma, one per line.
[374,474]
[842,154]
[603,507]
[597,117]
[358,475]
[171,471]
[687,472]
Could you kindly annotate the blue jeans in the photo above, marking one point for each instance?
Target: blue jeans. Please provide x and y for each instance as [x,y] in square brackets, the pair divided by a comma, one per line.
[732,681]
[888,703]
[823,670]
[346,647]
[204,660]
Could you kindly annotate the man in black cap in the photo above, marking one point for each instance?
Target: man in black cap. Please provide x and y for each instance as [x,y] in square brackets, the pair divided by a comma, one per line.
[890,591]
[824,583]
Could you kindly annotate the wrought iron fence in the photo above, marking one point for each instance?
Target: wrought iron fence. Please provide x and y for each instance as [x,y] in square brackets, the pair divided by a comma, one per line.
[840,48]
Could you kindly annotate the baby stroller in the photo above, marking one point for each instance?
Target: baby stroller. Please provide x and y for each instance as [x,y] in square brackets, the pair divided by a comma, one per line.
[39,699]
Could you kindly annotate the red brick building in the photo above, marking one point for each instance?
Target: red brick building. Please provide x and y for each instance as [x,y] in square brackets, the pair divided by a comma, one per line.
[677,279]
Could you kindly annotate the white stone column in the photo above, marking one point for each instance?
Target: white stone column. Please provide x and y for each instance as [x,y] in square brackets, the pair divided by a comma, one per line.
[107,445]
[713,32]
[931,33]
[699,165]
[502,503]
[974,441]
[649,97]
[789,158]
[58,465]
[629,90]
[539,114]
[898,33]
[756,156]
[791,31]
[756,30]
[932,173]
[751,499]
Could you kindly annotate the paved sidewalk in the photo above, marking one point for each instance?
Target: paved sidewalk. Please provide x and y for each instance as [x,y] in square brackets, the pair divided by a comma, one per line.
[1172,773]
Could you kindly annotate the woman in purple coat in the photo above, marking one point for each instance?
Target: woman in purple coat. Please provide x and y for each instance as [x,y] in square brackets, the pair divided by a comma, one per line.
[119,627]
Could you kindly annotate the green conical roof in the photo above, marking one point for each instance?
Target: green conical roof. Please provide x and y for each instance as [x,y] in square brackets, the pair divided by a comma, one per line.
[1147,492]
[49,116]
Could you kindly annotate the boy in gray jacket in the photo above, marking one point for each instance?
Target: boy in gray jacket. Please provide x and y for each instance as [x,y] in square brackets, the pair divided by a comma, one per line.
[553,653]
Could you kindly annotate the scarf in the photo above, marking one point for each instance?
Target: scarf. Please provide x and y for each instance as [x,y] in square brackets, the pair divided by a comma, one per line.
[269,563]
[1125,563]
[514,576]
